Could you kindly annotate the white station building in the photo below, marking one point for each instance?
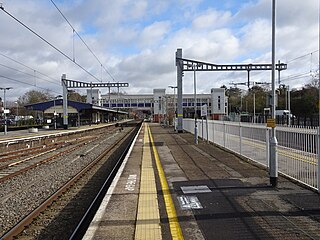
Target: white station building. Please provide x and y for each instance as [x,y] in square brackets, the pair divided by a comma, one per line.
[161,106]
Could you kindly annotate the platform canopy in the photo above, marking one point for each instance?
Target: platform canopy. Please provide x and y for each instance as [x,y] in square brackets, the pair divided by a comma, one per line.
[79,106]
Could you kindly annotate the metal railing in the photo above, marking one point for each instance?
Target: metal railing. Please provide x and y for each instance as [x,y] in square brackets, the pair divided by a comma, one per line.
[298,156]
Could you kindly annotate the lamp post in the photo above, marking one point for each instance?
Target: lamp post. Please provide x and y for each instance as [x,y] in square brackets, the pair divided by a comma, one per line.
[17,113]
[273,161]
[5,108]
[254,108]
[195,105]
[318,180]
[174,105]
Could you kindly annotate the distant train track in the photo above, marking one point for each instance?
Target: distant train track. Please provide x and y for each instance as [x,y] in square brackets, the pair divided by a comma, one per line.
[15,164]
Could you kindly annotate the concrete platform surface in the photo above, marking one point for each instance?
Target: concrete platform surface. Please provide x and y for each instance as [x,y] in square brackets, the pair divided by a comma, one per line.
[216,195]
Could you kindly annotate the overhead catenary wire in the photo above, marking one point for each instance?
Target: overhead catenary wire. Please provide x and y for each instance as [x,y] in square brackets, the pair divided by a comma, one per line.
[50,44]
[32,75]
[296,76]
[302,56]
[24,65]
[16,80]
[75,31]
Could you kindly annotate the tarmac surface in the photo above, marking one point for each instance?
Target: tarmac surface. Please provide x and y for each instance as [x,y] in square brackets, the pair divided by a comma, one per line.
[216,195]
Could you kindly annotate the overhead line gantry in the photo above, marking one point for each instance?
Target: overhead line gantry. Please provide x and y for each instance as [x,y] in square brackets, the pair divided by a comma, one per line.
[68,83]
[184,65]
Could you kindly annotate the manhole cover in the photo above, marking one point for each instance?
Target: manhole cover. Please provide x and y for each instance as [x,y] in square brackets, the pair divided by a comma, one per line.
[158,144]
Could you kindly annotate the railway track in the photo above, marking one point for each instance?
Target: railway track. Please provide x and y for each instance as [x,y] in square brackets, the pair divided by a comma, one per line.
[48,219]
[19,161]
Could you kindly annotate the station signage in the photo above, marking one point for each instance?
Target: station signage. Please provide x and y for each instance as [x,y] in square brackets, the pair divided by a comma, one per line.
[204,110]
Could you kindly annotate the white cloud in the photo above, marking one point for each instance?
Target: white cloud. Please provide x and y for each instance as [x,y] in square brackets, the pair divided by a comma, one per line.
[153,34]
[139,8]
[137,40]
[211,19]
[256,35]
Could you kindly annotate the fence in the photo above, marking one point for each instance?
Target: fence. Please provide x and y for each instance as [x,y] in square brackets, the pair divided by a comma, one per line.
[298,151]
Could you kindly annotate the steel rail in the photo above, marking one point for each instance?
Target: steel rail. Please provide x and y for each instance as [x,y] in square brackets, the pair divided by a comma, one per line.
[20,226]
[79,230]
[36,164]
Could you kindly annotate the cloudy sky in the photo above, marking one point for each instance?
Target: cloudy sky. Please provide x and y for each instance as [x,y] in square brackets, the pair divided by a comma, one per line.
[136,41]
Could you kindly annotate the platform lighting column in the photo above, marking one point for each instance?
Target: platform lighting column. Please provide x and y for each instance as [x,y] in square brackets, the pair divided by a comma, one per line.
[17,113]
[5,109]
[254,108]
[54,113]
[195,105]
[117,103]
[318,181]
[273,171]
[166,111]
[289,105]
[65,101]
[174,105]
[179,85]
[109,98]
[159,110]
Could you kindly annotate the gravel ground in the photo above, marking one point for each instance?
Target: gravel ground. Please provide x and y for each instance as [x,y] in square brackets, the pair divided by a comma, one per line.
[23,193]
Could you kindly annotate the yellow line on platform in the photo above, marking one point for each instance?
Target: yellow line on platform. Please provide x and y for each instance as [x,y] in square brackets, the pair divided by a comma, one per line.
[148,217]
[175,228]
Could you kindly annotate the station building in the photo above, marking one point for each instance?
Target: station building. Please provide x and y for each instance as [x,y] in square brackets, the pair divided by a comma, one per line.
[161,106]
[157,107]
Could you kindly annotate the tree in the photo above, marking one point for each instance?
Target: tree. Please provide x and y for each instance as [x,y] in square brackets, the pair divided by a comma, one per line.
[282,97]
[74,96]
[234,99]
[256,96]
[31,97]
[304,101]
[34,96]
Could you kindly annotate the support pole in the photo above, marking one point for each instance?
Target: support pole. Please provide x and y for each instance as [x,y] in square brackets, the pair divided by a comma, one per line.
[5,113]
[179,85]
[109,99]
[54,114]
[318,181]
[174,107]
[195,106]
[289,106]
[207,129]
[273,140]
[65,101]
[254,108]
[279,80]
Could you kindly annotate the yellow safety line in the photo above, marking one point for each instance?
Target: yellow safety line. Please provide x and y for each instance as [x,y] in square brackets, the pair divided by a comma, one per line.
[148,217]
[175,228]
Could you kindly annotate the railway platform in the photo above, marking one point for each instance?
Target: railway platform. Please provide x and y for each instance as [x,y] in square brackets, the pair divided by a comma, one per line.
[170,188]
[33,133]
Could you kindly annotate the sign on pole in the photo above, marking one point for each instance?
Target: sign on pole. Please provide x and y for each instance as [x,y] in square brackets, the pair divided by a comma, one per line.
[204,110]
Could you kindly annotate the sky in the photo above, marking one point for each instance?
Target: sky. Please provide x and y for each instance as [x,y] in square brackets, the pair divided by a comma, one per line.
[135,42]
